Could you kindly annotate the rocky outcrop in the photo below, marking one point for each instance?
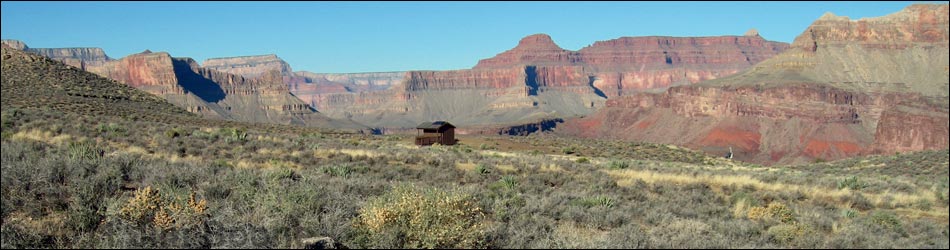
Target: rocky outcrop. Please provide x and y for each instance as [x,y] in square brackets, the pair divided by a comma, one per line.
[76,57]
[537,49]
[151,72]
[919,23]
[838,92]
[249,66]
[14,44]
[902,129]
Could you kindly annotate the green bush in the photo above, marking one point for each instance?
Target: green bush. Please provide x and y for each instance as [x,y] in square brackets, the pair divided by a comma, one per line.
[84,152]
[569,150]
[774,210]
[887,220]
[284,173]
[173,133]
[848,213]
[110,128]
[509,182]
[589,202]
[583,160]
[618,165]
[788,233]
[852,183]
[482,168]
[413,217]
[343,171]
[232,135]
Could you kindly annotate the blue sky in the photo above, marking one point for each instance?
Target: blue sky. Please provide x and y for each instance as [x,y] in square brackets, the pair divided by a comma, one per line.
[392,36]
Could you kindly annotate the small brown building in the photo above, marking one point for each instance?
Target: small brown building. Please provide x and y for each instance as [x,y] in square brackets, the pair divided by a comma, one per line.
[441,132]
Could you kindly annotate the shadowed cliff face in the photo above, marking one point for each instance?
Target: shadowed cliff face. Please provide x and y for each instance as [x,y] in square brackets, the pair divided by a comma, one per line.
[845,88]
[192,82]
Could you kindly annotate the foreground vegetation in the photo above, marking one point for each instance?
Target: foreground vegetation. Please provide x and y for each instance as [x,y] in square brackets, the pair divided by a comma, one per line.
[79,181]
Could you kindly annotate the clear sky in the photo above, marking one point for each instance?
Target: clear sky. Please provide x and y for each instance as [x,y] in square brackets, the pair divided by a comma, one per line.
[344,37]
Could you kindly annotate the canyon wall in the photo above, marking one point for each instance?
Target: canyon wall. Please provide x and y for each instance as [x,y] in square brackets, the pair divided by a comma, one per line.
[844,88]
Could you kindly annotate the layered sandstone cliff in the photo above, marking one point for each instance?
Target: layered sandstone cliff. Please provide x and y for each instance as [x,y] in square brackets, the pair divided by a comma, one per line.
[538,80]
[249,66]
[76,57]
[214,93]
[845,88]
[636,64]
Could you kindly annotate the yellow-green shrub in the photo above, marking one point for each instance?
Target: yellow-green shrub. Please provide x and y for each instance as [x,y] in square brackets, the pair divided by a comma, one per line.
[427,218]
[774,210]
[788,233]
[148,207]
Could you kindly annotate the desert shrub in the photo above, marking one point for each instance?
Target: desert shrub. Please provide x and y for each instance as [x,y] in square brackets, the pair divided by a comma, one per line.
[685,233]
[848,213]
[173,133]
[424,218]
[507,182]
[232,135]
[342,171]
[629,236]
[569,150]
[923,205]
[212,136]
[617,164]
[774,210]
[600,200]
[149,208]
[84,151]
[583,160]
[852,183]
[284,174]
[6,134]
[789,233]
[141,208]
[887,220]
[483,168]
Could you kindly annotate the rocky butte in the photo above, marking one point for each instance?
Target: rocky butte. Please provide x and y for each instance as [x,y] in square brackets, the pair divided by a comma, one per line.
[844,88]
[249,66]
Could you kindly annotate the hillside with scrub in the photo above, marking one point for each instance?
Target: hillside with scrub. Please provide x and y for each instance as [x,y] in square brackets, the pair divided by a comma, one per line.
[117,168]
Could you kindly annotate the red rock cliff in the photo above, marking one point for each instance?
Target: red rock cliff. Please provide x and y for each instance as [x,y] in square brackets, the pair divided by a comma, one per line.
[840,92]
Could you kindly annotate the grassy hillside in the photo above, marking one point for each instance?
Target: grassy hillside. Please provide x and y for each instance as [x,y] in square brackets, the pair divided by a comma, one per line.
[79,172]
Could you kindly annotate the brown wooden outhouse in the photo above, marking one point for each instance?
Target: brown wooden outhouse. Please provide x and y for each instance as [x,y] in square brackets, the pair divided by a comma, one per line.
[429,133]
